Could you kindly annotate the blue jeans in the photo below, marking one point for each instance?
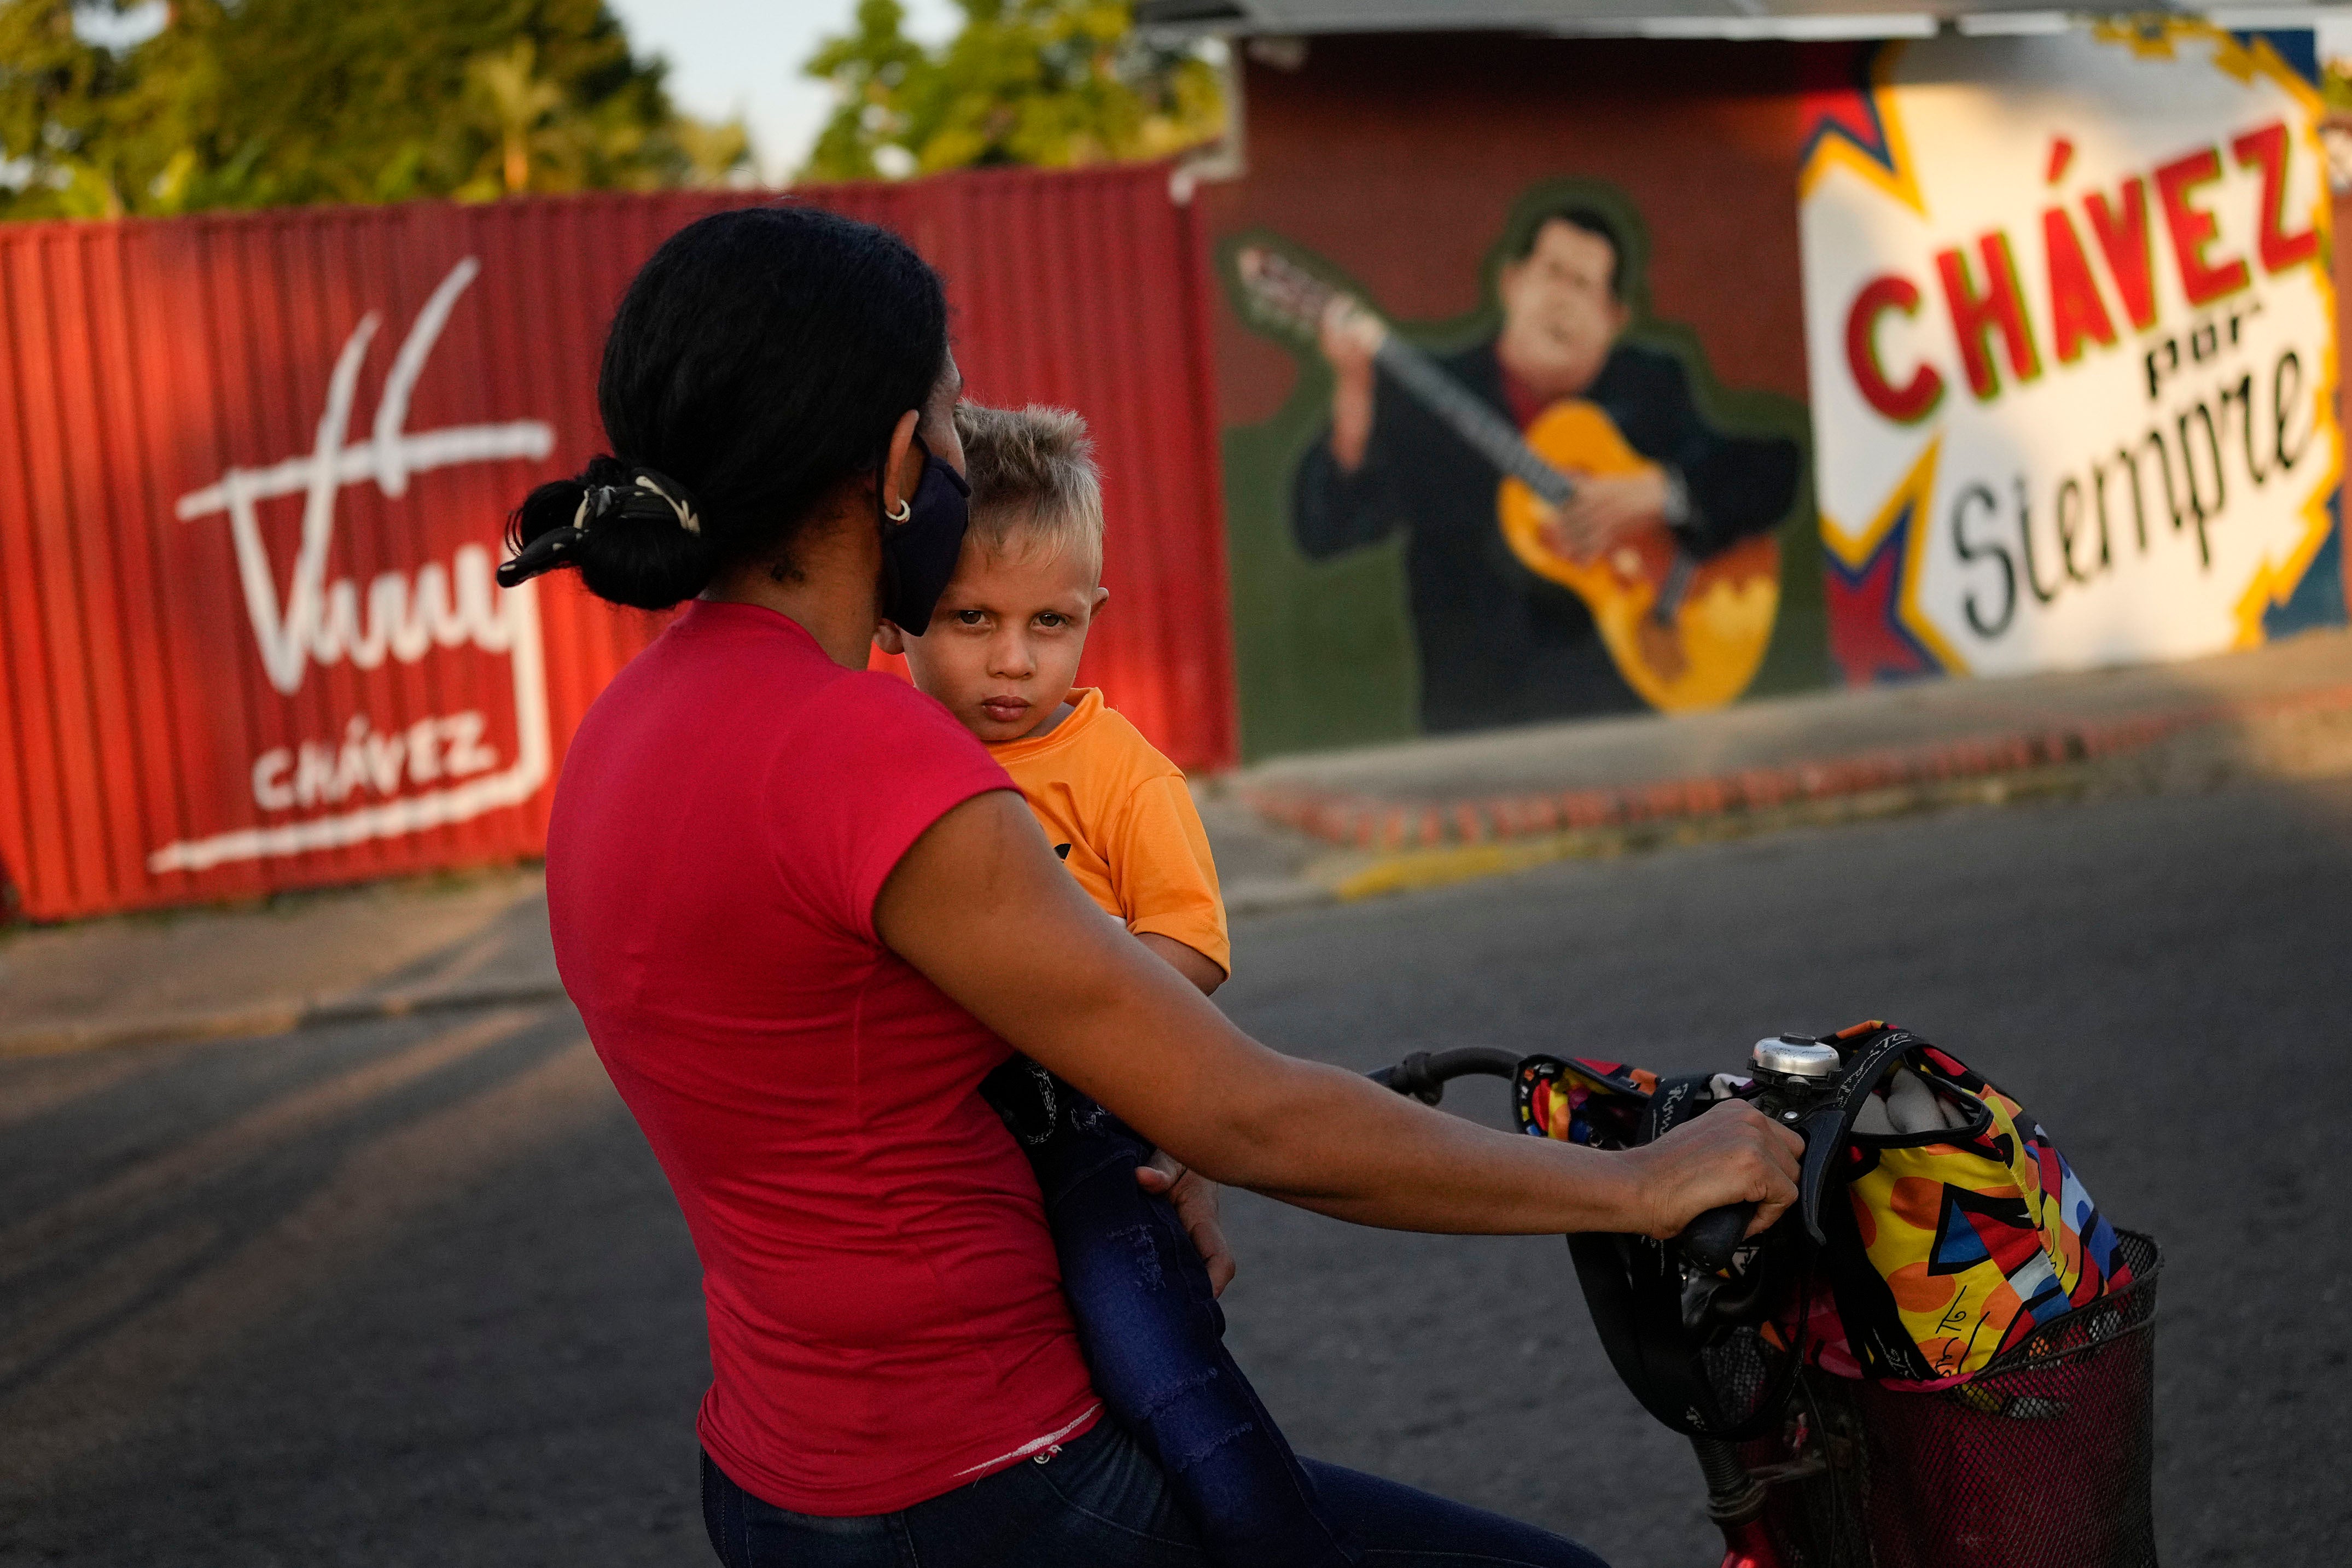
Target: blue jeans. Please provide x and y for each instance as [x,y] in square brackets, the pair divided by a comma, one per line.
[1154,1341]
[1102,1502]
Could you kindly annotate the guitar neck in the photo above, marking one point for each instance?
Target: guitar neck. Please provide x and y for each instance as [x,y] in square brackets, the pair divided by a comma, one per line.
[1494,437]
[1498,440]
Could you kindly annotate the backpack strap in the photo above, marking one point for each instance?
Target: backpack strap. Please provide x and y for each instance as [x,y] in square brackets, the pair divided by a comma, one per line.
[1866,1307]
[1868,1059]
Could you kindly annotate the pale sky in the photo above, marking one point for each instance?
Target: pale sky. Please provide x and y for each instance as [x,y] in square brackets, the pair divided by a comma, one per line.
[744,57]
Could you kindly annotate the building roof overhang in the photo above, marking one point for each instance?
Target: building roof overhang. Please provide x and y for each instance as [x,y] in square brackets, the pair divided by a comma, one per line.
[1792,19]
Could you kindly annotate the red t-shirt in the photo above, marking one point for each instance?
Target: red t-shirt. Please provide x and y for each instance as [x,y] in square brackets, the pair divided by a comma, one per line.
[887,1319]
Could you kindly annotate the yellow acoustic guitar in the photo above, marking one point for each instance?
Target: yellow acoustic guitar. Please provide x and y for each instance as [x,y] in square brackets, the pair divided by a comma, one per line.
[1686,633]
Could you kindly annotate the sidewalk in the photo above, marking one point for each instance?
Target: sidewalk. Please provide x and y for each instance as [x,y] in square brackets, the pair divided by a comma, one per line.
[1437,809]
[383,951]
[1290,833]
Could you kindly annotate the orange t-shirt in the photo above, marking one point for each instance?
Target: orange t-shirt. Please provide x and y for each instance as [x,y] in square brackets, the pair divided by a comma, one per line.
[1119,815]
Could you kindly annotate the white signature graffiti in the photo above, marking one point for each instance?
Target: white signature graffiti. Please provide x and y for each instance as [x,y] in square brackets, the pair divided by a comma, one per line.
[404,618]
[324,624]
[432,749]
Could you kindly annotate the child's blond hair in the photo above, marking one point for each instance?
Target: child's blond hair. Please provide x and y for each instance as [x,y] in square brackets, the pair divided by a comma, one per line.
[1033,481]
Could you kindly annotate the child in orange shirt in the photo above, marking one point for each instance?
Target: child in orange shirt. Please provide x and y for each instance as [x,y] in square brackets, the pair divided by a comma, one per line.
[1001,652]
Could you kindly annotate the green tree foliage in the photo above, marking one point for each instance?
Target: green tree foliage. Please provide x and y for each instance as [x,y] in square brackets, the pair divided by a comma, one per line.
[1051,82]
[248,103]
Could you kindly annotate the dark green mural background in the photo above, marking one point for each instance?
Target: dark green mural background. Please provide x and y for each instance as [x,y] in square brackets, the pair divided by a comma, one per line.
[1324,650]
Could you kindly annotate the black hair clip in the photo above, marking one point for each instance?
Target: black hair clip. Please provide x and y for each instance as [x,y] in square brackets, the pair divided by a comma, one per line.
[543,554]
[649,496]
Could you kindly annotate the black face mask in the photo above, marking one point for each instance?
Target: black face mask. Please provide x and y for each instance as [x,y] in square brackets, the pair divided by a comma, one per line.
[919,553]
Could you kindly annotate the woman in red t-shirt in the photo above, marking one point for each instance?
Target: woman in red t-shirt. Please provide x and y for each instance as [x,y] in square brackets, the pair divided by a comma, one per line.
[803,914]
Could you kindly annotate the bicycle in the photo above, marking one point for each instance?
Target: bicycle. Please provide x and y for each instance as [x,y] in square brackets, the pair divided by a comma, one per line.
[1804,1469]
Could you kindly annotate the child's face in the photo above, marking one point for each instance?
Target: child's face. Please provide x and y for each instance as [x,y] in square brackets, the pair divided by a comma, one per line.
[1004,644]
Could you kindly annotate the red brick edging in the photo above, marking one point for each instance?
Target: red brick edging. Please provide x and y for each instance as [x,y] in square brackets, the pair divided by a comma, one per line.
[1362,821]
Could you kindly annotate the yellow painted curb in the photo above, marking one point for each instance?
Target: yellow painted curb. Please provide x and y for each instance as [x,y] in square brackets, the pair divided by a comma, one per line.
[1412,870]
[1419,869]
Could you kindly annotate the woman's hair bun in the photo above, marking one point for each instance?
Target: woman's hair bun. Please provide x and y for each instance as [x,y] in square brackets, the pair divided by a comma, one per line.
[633,534]
[763,355]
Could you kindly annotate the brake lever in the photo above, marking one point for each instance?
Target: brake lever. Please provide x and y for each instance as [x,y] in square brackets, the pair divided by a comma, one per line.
[1824,1132]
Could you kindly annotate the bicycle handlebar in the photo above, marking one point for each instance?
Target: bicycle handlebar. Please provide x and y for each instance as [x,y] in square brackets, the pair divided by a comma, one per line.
[1708,1242]
[1424,1074]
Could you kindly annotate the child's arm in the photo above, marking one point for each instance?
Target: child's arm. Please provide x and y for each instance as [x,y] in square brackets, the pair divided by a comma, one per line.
[1189,962]
[1166,880]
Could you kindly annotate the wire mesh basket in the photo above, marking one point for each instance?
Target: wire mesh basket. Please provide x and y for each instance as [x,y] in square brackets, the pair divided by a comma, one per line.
[2043,1460]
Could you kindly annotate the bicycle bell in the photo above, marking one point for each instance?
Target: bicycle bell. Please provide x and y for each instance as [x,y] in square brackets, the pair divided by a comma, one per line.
[1793,1056]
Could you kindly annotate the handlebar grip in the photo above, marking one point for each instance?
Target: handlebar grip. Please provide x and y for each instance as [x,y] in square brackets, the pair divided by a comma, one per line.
[1423,1075]
[1708,1242]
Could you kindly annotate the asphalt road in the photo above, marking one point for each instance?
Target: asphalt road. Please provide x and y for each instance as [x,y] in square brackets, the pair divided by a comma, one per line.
[414,1291]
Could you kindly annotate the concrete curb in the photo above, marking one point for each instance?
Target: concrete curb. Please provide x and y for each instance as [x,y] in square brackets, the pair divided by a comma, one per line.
[1369,823]
[261,1018]
[1273,895]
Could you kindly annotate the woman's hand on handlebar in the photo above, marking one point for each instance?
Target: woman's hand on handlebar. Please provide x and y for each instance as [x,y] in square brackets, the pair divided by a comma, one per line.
[1195,1198]
[1731,1154]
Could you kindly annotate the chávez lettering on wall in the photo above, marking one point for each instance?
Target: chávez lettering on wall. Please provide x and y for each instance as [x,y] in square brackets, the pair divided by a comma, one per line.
[2073,350]
[423,771]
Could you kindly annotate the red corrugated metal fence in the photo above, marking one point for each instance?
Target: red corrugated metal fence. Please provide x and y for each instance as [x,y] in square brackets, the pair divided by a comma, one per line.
[253,471]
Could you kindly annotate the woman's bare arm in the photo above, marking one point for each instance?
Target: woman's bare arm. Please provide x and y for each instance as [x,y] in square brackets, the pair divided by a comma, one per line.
[980,906]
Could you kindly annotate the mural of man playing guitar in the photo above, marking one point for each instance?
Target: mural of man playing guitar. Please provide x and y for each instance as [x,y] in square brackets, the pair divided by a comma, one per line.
[1619,501]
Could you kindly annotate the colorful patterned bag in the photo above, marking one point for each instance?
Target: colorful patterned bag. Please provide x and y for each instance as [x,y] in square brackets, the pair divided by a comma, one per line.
[1963,1228]
[1973,1228]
